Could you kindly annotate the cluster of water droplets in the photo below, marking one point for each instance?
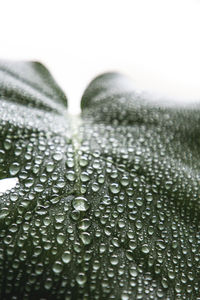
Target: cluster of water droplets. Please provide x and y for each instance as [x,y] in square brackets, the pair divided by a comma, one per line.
[107,212]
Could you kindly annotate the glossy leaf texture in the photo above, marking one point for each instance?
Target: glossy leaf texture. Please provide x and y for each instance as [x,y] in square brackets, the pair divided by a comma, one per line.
[107,204]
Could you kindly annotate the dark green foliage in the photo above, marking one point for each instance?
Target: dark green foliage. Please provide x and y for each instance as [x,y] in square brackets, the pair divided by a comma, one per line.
[107,204]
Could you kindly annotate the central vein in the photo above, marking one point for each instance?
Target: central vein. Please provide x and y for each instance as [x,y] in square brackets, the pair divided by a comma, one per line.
[76,142]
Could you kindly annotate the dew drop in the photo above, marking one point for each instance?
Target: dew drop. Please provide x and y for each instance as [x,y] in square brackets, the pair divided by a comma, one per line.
[29,182]
[133,272]
[84,224]
[59,218]
[66,257]
[145,248]
[81,279]
[60,238]
[4,213]
[84,177]
[83,161]
[114,260]
[14,168]
[57,156]
[57,267]
[80,204]
[85,238]
[124,181]
[71,175]
[95,187]
[139,201]
[114,188]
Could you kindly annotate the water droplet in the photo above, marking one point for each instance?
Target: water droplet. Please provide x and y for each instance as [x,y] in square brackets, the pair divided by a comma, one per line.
[70,162]
[50,167]
[85,177]
[84,224]
[80,204]
[139,201]
[145,248]
[171,274]
[81,279]
[129,255]
[48,284]
[59,218]
[66,257]
[85,238]
[83,161]
[121,223]
[101,179]
[14,168]
[4,213]
[149,197]
[95,187]
[124,181]
[57,267]
[39,188]
[7,144]
[41,210]
[138,224]
[2,155]
[57,156]
[102,248]
[160,244]
[29,182]
[71,175]
[114,260]
[132,245]
[75,215]
[115,188]
[133,272]
[60,238]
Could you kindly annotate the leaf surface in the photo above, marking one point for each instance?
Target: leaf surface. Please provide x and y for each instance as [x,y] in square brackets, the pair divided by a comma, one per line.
[107,204]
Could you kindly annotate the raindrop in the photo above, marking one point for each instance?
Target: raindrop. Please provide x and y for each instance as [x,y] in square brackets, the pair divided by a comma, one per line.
[14,168]
[145,248]
[57,267]
[57,156]
[81,279]
[71,175]
[85,238]
[66,257]
[80,204]
[4,213]
[114,260]
[114,188]
[84,224]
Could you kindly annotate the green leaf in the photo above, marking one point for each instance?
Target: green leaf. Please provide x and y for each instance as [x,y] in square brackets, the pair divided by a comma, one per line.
[107,204]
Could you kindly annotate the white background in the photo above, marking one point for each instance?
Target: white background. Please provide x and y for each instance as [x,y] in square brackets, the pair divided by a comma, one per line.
[156,42]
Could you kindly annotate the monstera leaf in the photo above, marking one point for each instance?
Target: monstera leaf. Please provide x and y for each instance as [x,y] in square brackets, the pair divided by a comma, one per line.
[106,206]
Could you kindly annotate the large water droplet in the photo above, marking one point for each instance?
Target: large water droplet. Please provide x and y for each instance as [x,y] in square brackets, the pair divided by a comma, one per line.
[80,204]
[71,175]
[4,213]
[57,156]
[57,267]
[115,188]
[114,260]
[145,248]
[81,279]
[84,224]
[14,168]
[85,238]
[66,257]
